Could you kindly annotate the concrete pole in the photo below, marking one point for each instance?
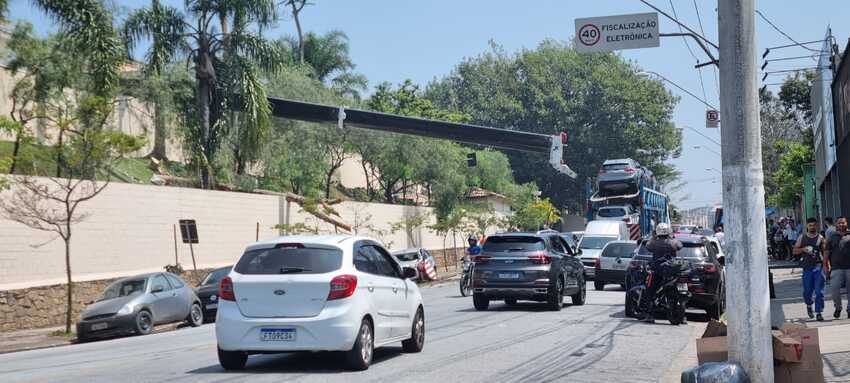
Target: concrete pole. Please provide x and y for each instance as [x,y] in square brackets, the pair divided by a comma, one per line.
[747,293]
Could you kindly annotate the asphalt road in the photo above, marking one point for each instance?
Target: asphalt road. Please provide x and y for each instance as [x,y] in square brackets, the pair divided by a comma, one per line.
[526,343]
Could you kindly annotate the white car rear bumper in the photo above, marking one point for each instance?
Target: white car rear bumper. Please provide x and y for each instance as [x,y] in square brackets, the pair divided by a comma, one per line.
[334,329]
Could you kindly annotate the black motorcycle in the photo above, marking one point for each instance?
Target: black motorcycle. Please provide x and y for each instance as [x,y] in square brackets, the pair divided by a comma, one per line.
[671,294]
[466,277]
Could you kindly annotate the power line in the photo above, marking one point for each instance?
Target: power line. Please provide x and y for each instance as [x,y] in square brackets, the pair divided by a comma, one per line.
[783,33]
[702,100]
[714,68]
[680,24]
[699,70]
[704,136]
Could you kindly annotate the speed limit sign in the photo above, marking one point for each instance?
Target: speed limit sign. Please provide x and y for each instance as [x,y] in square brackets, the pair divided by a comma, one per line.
[712,118]
[589,35]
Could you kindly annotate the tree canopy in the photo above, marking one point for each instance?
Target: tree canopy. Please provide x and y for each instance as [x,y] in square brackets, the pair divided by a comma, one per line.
[607,109]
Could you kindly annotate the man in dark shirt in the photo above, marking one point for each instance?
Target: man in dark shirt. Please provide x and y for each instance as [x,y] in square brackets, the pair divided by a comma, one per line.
[809,248]
[663,248]
[838,263]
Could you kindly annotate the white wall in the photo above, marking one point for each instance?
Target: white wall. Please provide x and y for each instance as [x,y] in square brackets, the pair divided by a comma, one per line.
[129,231]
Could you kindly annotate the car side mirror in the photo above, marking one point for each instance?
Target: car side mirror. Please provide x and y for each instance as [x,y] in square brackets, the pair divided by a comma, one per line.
[409,273]
[158,289]
[721,261]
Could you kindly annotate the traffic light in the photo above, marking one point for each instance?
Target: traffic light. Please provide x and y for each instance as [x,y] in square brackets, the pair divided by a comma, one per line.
[471,160]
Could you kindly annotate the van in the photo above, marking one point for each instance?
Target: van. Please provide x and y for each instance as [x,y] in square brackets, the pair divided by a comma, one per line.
[596,235]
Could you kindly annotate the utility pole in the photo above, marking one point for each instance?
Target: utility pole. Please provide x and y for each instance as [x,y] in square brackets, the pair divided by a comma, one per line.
[747,293]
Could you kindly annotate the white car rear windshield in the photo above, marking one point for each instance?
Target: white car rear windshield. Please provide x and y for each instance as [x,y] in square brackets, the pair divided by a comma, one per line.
[513,244]
[595,243]
[290,260]
[619,250]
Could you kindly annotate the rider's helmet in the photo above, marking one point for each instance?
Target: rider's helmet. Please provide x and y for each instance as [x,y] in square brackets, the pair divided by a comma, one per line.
[663,230]
[472,239]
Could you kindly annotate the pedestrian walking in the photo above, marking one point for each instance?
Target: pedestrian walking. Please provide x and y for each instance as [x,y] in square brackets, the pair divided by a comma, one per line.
[779,239]
[790,236]
[809,248]
[721,237]
[837,263]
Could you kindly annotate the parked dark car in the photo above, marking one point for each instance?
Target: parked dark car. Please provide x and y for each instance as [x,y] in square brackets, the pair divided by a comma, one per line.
[707,280]
[527,266]
[208,292]
[137,304]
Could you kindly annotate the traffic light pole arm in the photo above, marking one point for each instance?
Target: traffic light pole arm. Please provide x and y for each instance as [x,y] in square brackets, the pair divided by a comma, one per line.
[458,132]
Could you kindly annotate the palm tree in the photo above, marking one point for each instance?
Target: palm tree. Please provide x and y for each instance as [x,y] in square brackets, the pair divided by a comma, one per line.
[226,55]
[328,57]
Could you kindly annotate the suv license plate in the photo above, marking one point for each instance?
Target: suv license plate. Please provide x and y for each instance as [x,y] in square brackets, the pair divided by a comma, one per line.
[509,275]
[99,326]
[277,334]
[683,287]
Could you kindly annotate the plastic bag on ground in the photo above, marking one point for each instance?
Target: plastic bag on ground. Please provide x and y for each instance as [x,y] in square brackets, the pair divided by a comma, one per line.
[715,373]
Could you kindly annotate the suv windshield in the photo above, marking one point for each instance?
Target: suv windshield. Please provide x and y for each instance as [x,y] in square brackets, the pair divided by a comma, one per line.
[619,250]
[290,260]
[595,243]
[214,277]
[612,212]
[406,257]
[513,244]
[124,289]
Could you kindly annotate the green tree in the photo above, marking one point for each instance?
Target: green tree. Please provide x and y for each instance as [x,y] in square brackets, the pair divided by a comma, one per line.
[608,110]
[329,59]
[227,66]
[789,176]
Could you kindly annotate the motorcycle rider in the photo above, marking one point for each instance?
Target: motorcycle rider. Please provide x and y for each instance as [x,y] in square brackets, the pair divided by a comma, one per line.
[473,248]
[663,248]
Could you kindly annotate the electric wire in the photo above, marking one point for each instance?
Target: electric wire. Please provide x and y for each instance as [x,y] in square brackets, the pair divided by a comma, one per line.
[783,33]
[699,70]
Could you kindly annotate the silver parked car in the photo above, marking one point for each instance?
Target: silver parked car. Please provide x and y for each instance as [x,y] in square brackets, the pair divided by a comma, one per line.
[413,257]
[136,304]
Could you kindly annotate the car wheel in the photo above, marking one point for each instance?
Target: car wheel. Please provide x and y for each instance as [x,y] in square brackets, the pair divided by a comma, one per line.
[481,302]
[556,295]
[417,334]
[360,356]
[716,309]
[510,301]
[581,296]
[144,322]
[196,316]
[232,360]
[598,285]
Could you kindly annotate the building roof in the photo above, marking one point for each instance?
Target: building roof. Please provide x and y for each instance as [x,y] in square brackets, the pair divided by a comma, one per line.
[482,193]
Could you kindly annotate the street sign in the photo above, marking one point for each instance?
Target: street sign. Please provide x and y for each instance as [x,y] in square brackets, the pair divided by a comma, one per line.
[610,33]
[189,231]
[712,118]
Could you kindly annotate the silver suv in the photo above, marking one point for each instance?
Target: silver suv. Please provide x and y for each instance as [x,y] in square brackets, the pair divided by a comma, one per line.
[527,266]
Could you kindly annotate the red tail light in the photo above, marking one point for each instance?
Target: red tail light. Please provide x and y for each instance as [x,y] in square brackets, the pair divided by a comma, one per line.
[540,258]
[225,290]
[598,264]
[709,268]
[342,286]
[481,258]
[629,170]
[633,264]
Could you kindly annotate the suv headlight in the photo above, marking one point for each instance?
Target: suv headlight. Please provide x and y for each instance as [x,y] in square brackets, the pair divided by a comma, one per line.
[126,309]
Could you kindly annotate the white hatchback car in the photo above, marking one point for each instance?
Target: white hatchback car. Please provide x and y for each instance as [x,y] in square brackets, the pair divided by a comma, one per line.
[317,293]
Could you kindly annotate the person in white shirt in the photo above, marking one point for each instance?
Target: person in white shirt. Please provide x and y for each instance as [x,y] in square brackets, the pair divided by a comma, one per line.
[720,235]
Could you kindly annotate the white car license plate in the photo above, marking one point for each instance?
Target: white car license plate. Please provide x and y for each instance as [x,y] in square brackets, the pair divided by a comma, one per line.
[99,326]
[277,334]
[682,286]
[212,306]
[508,275]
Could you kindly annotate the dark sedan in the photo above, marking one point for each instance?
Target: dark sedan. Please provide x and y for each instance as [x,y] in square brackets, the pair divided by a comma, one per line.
[620,176]
[208,292]
[707,282]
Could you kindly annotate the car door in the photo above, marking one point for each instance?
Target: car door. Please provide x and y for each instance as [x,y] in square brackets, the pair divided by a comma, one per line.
[184,296]
[376,290]
[399,311]
[390,273]
[163,301]
[568,269]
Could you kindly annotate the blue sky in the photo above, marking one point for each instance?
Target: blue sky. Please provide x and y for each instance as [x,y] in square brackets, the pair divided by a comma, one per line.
[393,40]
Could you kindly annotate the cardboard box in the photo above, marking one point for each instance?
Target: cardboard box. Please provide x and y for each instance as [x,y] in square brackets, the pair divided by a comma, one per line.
[713,349]
[786,348]
[714,328]
[810,367]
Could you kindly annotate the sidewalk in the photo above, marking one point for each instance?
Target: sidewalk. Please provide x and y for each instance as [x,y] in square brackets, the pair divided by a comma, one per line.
[788,306]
